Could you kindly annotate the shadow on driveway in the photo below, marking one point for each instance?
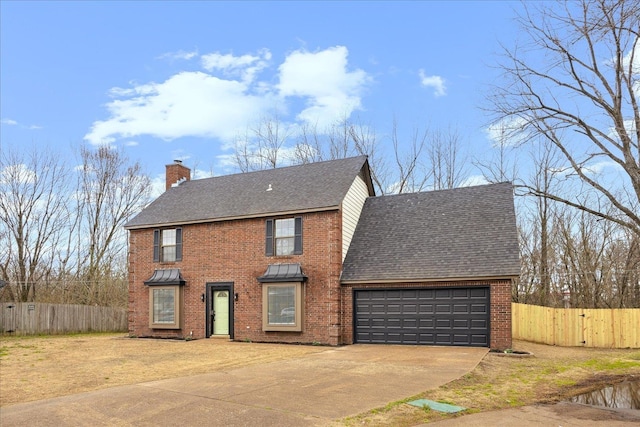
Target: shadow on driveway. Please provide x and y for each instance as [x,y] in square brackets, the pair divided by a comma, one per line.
[310,390]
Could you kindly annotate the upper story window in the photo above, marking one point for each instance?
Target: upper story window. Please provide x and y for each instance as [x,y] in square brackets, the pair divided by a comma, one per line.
[284,236]
[167,245]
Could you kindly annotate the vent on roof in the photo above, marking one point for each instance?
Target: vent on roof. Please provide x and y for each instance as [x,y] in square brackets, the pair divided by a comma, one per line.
[269,189]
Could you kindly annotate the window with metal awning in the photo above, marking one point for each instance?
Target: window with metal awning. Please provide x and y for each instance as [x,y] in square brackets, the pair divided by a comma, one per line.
[165,276]
[283,298]
[165,298]
[283,273]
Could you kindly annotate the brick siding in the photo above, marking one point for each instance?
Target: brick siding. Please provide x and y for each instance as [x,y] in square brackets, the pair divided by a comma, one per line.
[233,251]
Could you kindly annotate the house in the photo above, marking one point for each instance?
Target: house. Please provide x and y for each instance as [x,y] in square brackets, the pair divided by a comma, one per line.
[309,254]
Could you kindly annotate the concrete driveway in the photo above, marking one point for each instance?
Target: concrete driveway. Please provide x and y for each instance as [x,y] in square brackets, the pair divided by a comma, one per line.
[310,390]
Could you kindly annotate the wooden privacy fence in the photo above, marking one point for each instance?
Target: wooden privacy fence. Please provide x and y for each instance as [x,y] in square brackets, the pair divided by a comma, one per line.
[38,318]
[571,327]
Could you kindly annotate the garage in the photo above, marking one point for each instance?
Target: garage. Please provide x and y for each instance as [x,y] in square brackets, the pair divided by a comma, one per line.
[431,316]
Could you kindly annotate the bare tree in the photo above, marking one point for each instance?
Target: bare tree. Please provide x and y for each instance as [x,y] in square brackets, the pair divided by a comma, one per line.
[111,191]
[263,146]
[576,84]
[33,215]
[502,166]
[446,163]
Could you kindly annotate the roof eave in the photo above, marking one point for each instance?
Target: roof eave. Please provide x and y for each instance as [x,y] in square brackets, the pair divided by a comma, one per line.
[429,280]
[231,218]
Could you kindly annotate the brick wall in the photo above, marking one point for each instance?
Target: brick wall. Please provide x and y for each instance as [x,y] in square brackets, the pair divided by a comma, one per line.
[500,311]
[233,251]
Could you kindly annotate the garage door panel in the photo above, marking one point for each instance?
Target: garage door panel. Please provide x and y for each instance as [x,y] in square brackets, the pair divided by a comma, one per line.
[461,309]
[479,324]
[426,308]
[443,308]
[410,308]
[482,293]
[409,323]
[446,316]
[443,294]
[480,340]
[479,308]
[426,294]
[444,323]
[461,324]
[461,293]
[426,323]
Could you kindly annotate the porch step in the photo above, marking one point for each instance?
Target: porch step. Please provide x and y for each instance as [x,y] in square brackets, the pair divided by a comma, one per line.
[220,337]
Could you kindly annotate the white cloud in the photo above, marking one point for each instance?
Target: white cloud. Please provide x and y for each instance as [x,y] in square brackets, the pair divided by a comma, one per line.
[131,143]
[187,104]
[474,180]
[179,55]
[626,60]
[11,122]
[598,167]
[507,132]
[323,79]
[158,186]
[245,66]
[201,174]
[229,97]
[435,82]
[19,173]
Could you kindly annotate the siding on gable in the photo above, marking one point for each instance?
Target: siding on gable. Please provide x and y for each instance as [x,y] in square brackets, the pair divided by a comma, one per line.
[351,209]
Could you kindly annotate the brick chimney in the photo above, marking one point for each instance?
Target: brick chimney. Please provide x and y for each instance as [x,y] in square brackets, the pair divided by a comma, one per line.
[177,173]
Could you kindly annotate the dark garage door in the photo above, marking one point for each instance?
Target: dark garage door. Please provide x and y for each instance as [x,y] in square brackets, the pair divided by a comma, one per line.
[444,316]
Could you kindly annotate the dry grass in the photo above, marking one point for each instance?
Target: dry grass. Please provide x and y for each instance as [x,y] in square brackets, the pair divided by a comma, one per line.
[34,368]
[553,374]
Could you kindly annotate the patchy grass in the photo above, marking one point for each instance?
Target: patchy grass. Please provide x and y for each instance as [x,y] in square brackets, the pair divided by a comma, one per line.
[499,382]
[34,368]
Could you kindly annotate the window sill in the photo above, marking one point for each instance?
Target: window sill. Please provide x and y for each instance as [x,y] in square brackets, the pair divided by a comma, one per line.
[282,329]
[164,326]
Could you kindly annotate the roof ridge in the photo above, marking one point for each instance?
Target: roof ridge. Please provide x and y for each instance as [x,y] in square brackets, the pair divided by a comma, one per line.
[442,190]
[280,168]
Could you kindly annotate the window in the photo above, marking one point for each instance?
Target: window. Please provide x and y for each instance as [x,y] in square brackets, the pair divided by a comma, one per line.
[282,305]
[284,237]
[167,245]
[164,307]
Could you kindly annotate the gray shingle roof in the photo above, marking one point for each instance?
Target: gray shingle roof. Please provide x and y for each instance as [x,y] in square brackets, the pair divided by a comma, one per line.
[305,187]
[462,233]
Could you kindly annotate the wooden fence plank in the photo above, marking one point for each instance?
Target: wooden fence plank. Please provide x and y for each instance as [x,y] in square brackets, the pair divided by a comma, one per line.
[570,327]
[39,318]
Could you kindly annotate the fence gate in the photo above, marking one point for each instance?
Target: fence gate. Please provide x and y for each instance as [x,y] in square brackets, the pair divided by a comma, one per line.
[8,318]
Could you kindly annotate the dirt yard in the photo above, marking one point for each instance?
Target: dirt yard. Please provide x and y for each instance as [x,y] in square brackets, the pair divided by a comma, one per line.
[34,368]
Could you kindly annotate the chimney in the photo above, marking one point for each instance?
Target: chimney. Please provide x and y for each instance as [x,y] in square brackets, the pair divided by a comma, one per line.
[176,173]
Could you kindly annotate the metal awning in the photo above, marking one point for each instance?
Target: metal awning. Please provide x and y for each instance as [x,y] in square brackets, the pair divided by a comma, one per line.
[283,273]
[168,276]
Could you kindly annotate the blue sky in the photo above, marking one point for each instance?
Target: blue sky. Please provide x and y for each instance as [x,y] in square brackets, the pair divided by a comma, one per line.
[167,80]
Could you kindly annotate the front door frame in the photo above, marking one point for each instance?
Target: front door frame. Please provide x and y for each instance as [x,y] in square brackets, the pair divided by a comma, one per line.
[210,289]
